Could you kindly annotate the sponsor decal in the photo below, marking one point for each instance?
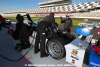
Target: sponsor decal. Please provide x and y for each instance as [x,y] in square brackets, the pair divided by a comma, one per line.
[74,57]
[74,54]
[73,61]
[94,64]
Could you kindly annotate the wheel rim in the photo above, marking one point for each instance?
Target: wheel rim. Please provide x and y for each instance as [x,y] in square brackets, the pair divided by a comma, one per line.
[54,49]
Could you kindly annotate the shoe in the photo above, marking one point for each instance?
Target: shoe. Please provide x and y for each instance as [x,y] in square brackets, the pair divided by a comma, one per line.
[46,55]
[17,46]
[20,49]
[36,51]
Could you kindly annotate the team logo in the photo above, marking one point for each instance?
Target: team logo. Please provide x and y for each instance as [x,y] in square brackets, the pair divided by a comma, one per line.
[74,54]
[73,61]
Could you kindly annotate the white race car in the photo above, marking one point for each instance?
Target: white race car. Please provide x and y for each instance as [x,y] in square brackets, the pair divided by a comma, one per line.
[81,24]
[91,25]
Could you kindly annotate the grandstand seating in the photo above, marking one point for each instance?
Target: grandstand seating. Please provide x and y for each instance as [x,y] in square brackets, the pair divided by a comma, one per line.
[77,10]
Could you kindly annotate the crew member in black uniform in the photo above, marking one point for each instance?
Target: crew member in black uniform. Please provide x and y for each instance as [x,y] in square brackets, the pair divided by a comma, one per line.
[48,22]
[67,23]
[18,26]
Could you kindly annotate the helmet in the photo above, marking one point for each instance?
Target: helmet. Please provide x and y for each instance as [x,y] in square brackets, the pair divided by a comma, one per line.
[27,22]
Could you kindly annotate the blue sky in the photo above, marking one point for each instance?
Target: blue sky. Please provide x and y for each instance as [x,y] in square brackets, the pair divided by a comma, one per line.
[6,5]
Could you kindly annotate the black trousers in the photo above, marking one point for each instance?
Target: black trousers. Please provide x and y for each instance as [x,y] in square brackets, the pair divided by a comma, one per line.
[16,34]
[24,37]
[40,38]
[17,30]
[25,42]
[67,29]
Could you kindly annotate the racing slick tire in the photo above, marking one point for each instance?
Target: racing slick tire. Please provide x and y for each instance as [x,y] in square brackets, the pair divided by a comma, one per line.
[56,48]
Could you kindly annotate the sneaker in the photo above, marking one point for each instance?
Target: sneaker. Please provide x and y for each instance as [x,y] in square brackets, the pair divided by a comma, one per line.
[36,51]
[46,55]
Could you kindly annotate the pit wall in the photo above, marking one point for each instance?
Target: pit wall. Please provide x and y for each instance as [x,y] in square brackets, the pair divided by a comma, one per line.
[56,16]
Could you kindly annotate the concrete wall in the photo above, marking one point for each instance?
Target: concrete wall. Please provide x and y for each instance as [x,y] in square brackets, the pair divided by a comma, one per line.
[56,16]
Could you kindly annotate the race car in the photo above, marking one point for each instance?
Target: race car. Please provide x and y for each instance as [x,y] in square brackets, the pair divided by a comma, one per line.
[57,44]
[89,24]
[54,43]
[7,21]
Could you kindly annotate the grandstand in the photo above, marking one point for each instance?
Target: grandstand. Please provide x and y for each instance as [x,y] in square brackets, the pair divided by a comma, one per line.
[53,3]
[60,8]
